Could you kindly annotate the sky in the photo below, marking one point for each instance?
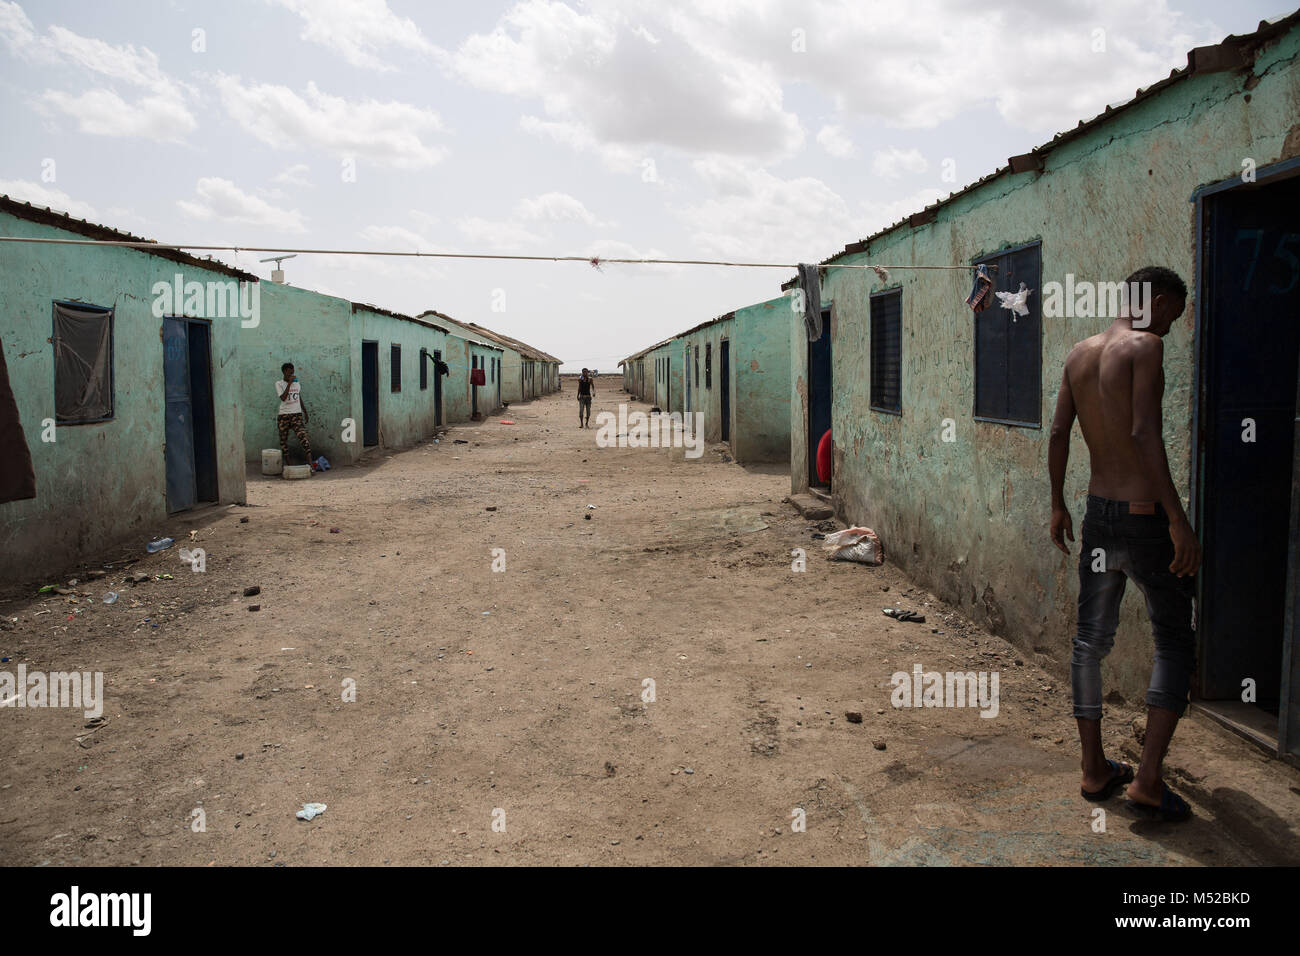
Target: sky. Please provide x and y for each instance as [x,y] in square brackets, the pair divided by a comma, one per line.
[767,131]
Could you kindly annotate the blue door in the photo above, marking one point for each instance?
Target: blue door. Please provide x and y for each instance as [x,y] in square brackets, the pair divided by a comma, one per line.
[182,489]
[819,394]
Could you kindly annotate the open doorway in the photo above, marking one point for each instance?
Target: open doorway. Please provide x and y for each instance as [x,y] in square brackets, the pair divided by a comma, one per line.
[819,398]
[1248,355]
[437,388]
[724,382]
[369,394]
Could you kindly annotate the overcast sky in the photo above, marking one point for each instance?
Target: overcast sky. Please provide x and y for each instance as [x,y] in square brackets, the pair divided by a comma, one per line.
[770,131]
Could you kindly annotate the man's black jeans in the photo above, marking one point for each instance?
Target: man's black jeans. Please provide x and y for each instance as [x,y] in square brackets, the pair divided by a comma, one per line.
[1117,546]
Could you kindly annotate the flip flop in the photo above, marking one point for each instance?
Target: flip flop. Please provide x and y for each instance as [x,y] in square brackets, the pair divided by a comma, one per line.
[1120,774]
[899,614]
[1172,809]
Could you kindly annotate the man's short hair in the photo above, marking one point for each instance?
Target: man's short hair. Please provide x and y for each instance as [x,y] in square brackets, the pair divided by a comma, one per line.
[1163,282]
[286,365]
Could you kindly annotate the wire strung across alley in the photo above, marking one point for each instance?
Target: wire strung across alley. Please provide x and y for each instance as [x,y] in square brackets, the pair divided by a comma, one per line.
[594,261]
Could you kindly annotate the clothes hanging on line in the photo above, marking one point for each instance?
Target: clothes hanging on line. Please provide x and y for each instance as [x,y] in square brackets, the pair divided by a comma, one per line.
[981,294]
[810,282]
[1016,301]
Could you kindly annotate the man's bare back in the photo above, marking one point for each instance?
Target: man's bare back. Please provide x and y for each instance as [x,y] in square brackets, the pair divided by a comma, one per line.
[1100,373]
[1114,383]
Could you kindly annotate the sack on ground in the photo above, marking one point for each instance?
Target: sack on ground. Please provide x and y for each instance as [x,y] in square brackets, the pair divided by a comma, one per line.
[855,544]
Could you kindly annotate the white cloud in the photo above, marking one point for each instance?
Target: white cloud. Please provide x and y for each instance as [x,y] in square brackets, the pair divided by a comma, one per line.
[223,201]
[496,234]
[295,175]
[358,30]
[160,114]
[581,139]
[893,162]
[755,215]
[102,112]
[16,29]
[556,207]
[39,194]
[606,78]
[919,64]
[389,134]
[835,140]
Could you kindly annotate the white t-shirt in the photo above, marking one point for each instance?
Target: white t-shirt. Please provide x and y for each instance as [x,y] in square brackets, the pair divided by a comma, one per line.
[293,403]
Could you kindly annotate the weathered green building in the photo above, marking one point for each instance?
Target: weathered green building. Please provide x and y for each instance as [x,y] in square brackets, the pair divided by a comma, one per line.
[940,416]
[124,364]
[369,376]
[734,370]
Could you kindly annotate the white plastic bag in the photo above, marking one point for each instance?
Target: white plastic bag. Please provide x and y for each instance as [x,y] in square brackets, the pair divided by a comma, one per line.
[855,544]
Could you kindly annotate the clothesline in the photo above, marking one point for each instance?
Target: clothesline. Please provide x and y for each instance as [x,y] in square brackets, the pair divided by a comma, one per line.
[595,261]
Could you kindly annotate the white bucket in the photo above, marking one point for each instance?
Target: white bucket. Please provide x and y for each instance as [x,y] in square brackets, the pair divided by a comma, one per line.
[297,471]
[272,463]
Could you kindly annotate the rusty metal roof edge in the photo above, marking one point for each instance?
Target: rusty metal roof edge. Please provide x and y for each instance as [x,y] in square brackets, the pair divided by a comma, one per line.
[93,230]
[395,315]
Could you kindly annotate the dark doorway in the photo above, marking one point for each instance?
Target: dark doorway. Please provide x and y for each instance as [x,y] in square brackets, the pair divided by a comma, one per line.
[369,394]
[819,396]
[189,420]
[687,406]
[437,388]
[724,382]
[1249,339]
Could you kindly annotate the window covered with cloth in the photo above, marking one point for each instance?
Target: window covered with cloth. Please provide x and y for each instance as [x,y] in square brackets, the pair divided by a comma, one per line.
[83,363]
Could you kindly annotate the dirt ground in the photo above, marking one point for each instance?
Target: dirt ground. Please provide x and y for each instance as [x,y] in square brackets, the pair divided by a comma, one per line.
[499,717]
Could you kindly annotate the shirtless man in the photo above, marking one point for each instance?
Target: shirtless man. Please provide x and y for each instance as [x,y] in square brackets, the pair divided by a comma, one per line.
[1134,528]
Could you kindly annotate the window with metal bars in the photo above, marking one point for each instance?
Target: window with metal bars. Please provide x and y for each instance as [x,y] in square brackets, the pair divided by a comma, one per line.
[887,351]
[395,362]
[708,365]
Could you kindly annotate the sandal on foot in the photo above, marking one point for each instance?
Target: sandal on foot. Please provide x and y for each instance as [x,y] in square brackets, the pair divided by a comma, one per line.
[1172,809]
[1120,774]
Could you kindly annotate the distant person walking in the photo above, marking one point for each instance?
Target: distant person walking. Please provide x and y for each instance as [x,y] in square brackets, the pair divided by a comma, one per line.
[1134,529]
[293,413]
[585,391]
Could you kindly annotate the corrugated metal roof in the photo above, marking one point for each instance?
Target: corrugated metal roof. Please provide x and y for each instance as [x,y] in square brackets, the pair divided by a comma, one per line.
[61,220]
[397,315]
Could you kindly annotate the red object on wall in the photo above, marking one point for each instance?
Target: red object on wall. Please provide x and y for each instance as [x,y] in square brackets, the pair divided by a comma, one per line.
[477,377]
[824,458]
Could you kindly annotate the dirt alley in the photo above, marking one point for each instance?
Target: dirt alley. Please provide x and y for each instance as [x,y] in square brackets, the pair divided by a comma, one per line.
[516,697]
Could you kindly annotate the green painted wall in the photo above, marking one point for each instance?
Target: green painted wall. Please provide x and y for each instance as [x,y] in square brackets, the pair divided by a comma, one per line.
[512,371]
[405,416]
[760,360]
[969,518]
[707,397]
[314,332]
[106,482]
